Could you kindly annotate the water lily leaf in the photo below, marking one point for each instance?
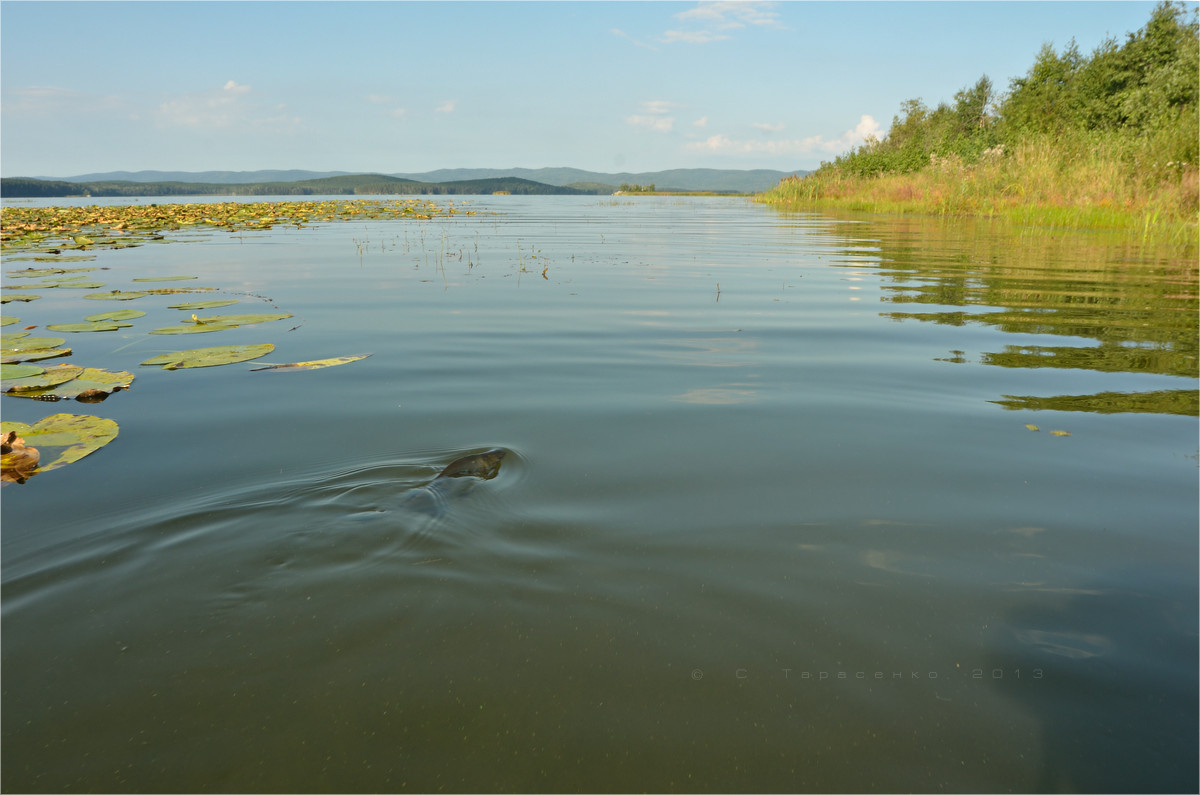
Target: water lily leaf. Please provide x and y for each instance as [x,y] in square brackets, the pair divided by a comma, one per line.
[194,328]
[1060,433]
[165,278]
[197,325]
[243,320]
[116,295]
[35,355]
[11,371]
[8,321]
[20,342]
[92,325]
[194,305]
[8,296]
[210,357]
[116,314]
[174,290]
[314,365]
[51,376]
[27,272]
[91,385]
[12,335]
[1032,427]
[77,435]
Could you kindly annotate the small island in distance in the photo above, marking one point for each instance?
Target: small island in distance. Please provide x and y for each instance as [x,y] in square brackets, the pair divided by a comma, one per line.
[544,181]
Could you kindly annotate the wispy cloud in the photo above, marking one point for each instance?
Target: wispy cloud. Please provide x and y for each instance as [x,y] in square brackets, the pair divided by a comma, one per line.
[691,36]
[866,128]
[701,122]
[769,128]
[230,106]
[622,34]
[446,107]
[656,123]
[654,115]
[46,100]
[714,21]
[732,14]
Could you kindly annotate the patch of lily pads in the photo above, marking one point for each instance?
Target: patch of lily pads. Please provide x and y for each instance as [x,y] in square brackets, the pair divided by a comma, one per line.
[45,233]
[63,382]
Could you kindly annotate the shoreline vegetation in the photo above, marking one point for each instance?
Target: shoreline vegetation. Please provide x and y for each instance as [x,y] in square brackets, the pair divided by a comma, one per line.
[1108,141]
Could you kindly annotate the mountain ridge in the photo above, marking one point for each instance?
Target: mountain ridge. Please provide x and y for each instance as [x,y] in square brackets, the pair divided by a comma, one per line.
[679,179]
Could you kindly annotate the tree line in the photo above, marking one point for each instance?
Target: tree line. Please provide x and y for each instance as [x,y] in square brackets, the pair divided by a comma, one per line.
[1148,85]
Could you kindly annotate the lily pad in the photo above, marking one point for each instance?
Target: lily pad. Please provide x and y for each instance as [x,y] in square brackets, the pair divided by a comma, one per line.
[91,385]
[210,357]
[8,296]
[46,272]
[35,355]
[165,278]
[194,305]
[314,365]
[117,314]
[8,321]
[50,376]
[77,435]
[116,295]
[92,325]
[24,343]
[199,325]
[11,371]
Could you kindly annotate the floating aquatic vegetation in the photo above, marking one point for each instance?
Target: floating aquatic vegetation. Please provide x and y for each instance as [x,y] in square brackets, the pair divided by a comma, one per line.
[73,436]
[117,295]
[116,314]
[91,325]
[8,296]
[38,272]
[194,305]
[90,385]
[314,365]
[8,321]
[48,377]
[210,357]
[198,325]
[10,371]
[55,229]
[165,278]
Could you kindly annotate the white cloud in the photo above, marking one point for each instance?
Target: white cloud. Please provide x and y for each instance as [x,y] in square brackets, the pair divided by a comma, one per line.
[866,128]
[691,36]
[447,106]
[656,123]
[658,107]
[229,107]
[701,122]
[770,128]
[379,99]
[398,113]
[723,15]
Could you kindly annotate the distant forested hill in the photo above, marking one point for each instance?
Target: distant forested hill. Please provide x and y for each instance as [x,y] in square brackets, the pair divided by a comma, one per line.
[354,185]
[680,179]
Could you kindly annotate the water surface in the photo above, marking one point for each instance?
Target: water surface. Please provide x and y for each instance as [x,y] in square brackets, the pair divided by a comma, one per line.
[772,519]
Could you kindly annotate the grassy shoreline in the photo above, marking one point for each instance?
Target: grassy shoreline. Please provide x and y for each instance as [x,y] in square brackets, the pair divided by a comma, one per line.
[1091,182]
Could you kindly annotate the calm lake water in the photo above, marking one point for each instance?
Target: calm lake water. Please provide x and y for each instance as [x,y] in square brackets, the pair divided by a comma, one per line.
[772,519]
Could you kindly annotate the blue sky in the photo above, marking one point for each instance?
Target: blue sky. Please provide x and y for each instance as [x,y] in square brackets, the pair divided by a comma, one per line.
[414,86]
